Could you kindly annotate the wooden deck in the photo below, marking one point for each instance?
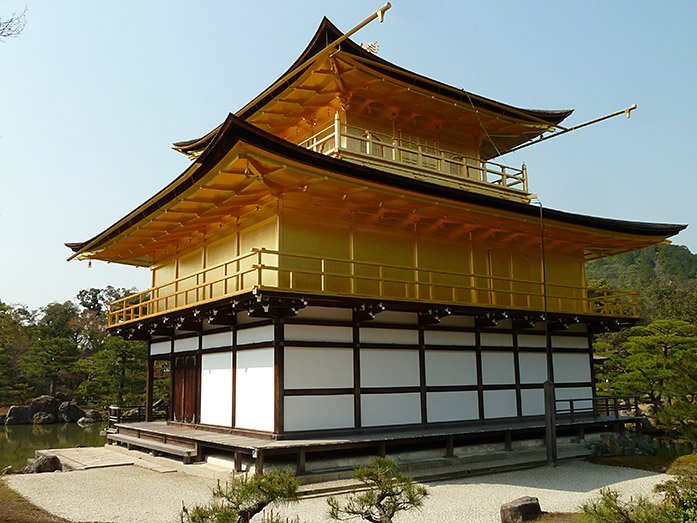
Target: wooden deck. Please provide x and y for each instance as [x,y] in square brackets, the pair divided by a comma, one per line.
[192,443]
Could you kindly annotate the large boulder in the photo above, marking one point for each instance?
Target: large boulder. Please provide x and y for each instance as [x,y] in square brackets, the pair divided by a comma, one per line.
[47,404]
[70,412]
[44,418]
[19,415]
[42,464]
[526,508]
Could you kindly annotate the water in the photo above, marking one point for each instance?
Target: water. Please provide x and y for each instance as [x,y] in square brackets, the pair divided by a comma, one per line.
[19,442]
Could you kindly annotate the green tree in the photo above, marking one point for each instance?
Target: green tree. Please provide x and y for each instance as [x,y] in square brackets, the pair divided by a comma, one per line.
[115,373]
[659,363]
[389,492]
[16,334]
[243,497]
[51,360]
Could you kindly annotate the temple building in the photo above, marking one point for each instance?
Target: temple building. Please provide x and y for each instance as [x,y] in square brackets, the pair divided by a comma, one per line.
[346,256]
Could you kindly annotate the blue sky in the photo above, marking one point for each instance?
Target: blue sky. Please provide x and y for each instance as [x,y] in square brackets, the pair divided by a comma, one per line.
[93,93]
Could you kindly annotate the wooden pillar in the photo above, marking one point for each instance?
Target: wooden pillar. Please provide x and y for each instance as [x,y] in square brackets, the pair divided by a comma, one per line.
[300,468]
[550,423]
[449,447]
[258,456]
[508,440]
[238,461]
[149,389]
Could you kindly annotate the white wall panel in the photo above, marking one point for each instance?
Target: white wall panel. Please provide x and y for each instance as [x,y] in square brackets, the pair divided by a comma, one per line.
[219,339]
[325,313]
[186,344]
[389,368]
[533,367]
[254,405]
[318,412]
[318,333]
[452,406]
[390,409]
[532,340]
[571,367]
[393,336]
[533,402]
[569,342]
[216,389]
[497,368]
[450,338]
[574,393]
[255,334]
[499,403]
[310,367]
[496,339]
[161,347]
[450,367]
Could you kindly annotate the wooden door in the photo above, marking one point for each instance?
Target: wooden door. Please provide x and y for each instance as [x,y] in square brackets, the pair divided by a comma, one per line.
[185,376]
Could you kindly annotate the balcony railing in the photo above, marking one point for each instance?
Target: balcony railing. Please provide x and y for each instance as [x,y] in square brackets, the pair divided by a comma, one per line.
[419,160]
[273,270]
[600,407]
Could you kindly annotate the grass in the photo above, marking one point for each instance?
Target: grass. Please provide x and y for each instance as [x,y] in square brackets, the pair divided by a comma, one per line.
[17,509]
[557,517]
[650,463]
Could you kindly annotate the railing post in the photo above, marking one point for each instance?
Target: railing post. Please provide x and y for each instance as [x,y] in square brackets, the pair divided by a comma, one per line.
[259,258]
[524,174]
[322,269]
[419,156]
[337,131]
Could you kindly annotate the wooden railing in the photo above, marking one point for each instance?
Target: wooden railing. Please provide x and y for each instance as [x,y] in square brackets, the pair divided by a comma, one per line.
[598,407]
[274,270]
[412,157]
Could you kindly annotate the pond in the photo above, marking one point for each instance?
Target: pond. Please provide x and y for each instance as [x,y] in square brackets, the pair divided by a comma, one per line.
[19,442]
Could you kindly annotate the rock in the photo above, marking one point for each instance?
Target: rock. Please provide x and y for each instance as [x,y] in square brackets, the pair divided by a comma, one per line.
[645,444]
[43,418]
[93,415]
[522,509]
[70,412]
[42,464]
[18,415]
[60,396]
[47,404]
[6,471]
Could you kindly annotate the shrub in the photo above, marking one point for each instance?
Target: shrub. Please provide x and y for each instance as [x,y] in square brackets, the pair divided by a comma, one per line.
[389,492]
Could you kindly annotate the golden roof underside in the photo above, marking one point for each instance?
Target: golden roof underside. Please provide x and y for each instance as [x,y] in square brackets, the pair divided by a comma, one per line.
[247,173]
[350,78]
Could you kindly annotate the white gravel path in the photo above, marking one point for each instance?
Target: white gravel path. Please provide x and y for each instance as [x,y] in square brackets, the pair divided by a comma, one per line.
[132,495]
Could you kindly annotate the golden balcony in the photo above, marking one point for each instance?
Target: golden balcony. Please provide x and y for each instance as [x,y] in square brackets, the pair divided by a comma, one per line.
[263,269]
[420,161]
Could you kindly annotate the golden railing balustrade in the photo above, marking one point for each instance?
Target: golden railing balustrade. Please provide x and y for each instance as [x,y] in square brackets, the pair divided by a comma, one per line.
[364,145]
[294,273]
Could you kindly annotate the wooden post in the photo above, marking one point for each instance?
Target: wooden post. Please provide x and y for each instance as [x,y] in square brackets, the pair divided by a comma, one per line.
[149,389]
[449,447]
[508,440]
[382,449]
[300,468]
[238,461]
[258,455]
[550,423]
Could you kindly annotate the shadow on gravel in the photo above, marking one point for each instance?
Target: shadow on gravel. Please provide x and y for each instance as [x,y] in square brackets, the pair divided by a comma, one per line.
[574,476]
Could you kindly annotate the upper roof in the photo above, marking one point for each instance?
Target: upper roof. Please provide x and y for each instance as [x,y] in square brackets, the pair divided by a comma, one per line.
[240,140]
[532,122]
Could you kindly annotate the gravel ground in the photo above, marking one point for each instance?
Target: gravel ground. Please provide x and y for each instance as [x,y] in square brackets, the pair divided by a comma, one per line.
[129,494]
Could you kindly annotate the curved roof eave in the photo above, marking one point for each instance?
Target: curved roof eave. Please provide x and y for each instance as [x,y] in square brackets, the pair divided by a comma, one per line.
[327,33]
[235,129]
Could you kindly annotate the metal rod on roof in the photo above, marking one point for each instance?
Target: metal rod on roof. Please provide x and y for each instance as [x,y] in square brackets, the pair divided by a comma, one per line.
[380,14]
[626,112]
